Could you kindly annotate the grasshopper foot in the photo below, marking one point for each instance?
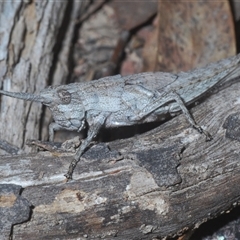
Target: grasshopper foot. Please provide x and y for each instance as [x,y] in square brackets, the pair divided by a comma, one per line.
[68,176]
[208,136]
[72,165]
[206,133]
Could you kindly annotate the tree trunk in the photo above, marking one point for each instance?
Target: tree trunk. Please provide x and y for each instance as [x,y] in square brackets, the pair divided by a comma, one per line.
[35,41]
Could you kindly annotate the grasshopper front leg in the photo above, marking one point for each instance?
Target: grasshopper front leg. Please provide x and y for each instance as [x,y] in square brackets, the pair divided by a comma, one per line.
[52,128]
[94,128]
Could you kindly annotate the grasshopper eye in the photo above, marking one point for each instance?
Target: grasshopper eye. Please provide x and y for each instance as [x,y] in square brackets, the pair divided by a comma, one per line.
[65,96]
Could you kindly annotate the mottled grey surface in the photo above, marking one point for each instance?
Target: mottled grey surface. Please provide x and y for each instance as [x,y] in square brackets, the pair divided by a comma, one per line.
[162,164]
[13,208]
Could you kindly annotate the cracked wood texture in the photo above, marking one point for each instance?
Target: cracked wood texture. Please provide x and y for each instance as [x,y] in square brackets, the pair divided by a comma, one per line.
[154,185]
[36,39]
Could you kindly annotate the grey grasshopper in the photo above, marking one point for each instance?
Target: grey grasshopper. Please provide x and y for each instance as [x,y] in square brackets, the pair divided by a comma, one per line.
[123,101]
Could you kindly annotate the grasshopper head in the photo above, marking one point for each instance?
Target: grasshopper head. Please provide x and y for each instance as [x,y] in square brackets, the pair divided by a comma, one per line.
[54,96]
[50,96]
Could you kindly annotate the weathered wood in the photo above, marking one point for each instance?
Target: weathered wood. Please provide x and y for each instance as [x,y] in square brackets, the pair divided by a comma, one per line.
[151,192]
[13,208]
[35,42]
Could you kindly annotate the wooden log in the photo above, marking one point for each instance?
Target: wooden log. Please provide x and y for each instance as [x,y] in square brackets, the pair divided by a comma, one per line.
[153,185]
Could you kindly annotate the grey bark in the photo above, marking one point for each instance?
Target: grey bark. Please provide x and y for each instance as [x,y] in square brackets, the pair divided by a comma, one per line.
[31,32]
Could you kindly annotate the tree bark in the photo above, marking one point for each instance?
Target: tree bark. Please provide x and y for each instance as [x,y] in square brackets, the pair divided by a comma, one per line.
[35,42]
[157,184]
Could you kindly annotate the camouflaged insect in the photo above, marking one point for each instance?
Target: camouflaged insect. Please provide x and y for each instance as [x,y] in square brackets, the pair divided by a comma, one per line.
[123,101]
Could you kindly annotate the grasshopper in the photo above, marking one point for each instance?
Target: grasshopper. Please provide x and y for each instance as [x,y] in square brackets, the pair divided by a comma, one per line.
[123,101]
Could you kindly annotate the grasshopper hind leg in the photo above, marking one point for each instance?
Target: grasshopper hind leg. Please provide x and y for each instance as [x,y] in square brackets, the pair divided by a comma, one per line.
[190,119]
[153,107]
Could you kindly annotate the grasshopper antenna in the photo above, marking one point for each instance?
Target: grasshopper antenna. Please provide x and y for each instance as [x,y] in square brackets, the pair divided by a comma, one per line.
[24,96]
